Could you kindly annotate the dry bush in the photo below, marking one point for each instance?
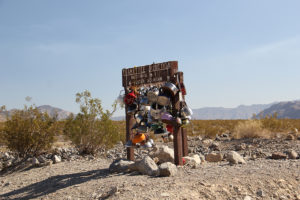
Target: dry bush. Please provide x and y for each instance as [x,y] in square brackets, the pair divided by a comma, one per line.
[250,129]
[29,132]
[91,129]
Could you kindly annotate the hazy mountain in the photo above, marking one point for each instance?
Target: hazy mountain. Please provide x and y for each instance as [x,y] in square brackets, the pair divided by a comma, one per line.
[240,112]
[52,111]
[289,109]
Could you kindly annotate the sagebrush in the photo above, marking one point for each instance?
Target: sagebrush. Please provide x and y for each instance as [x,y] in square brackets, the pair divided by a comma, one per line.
[29,132]
[91,129]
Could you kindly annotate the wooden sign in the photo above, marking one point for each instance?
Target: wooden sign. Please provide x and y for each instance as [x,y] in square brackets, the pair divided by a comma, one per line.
[149,74]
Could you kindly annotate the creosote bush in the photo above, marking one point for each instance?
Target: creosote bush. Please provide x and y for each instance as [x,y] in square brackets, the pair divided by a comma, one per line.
[29,132]
[91,129]
[250,129]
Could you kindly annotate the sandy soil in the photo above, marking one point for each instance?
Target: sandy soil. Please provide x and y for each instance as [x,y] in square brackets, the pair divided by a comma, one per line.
[260,178]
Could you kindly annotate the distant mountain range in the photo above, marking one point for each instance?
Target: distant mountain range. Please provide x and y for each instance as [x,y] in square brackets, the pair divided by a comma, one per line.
[52,111]
[240,112]
[289,109]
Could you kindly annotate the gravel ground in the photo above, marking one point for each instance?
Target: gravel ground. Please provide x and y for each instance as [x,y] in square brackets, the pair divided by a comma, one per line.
[260,178]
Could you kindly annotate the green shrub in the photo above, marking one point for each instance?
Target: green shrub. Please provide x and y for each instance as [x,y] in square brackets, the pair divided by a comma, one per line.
[29,132]
[91,129]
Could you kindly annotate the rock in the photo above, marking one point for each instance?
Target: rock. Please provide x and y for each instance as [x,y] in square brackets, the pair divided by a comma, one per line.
[194,160]
[164,154]
[247,198]
[35,162]
[207,142]
[260,193]
[240,147]
[8,163]
[292,154]
[167,169]
[42,159]
[290,137]
[235,158]
[278,156]
[214,157]
[56,159]
[120,165]
[6,156]
[215,146]
[147,166]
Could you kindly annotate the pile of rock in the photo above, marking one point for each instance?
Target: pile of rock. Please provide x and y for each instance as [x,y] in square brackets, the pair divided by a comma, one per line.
[159,162]
[10,159]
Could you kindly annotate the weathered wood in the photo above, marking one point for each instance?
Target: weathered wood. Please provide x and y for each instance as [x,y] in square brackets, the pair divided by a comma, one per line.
[149,74]
[156,74]
[185,149]
[129,125]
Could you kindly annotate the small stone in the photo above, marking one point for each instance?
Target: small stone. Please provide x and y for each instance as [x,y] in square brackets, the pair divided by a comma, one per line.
[278,156]
[42,159]
[260,193]
[147,166]
[290,137]
[215,146]
[207,142]
[35,162]
[214,157]
[247,198]
[235,158]
[164,194]
[120,165]
[56,159]
[240,147]
[164,154]
[292,154]
[7,184]
[167,169]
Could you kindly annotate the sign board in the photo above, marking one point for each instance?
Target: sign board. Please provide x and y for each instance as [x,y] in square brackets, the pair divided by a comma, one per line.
[149,74]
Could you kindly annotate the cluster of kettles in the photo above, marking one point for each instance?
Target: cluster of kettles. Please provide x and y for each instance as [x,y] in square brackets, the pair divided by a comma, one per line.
[152,109]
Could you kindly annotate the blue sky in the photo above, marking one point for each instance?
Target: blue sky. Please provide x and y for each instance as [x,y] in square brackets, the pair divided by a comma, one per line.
[231,52]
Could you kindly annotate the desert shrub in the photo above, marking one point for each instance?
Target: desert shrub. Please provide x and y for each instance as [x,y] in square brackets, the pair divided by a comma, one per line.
[250,129]
[28,132]
[272,123]
[91,129]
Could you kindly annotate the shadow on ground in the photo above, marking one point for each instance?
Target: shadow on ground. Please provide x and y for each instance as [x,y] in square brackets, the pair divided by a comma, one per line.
[52,184]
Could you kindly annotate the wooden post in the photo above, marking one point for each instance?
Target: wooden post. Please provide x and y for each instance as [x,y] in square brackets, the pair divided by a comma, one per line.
[185,149]
[129,125]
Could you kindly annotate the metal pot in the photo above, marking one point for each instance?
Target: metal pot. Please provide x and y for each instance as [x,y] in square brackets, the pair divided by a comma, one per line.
[143,100]
[142,129]
[170,88]
[186,112]
[139,118]
[132,109]
[156,111]
[163,100]
[153,94]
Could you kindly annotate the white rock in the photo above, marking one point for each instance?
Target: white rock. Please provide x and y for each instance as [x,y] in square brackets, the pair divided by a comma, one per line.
[247,198]
[56,159]
[164,154]
[194,160]
[167,169]
[292,154]
[235,158]
[120,165]
[147,166]
[35,161]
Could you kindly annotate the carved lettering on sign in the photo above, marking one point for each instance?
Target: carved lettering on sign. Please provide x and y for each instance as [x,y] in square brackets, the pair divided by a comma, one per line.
[149,74]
